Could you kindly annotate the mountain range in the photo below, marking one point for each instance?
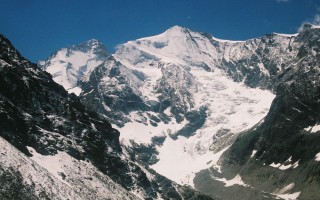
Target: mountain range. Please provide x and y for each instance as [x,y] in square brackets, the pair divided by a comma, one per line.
[180,115]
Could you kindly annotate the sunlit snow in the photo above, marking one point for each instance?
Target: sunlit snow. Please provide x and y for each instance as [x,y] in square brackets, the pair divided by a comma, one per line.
[286,165]
[313,129]
[75,90]
[290,196]
[235,181]
[69,65]
[283,193]
[232,107]
[253,153]
[317,158]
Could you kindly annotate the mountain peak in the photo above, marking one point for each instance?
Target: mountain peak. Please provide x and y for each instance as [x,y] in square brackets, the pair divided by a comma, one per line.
[177,29]
[71,64]
[92,44]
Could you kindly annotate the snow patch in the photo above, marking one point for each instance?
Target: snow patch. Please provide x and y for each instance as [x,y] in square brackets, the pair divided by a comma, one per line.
[253,153]
[75,90]
[51,163]
[185,160]
[235,181]
[291,196]
[313,129]
[263,69]
[282,193]
[275,165]
[317,158]
[287,35]
[285,166]
[142,133]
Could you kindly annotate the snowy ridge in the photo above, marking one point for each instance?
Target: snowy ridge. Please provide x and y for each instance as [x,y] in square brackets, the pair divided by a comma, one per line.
[72,64]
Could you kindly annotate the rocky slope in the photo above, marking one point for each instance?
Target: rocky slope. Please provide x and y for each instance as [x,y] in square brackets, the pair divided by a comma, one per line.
[60,150]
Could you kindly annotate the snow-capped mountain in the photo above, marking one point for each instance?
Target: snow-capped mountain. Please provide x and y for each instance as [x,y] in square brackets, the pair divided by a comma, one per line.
[190,100]
[183,96]
[72,64]
[52,147]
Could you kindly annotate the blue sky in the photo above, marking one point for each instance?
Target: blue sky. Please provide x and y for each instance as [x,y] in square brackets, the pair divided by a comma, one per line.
[37,28]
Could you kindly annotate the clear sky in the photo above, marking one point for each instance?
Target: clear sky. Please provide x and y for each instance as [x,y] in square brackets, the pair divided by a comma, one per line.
[37,28]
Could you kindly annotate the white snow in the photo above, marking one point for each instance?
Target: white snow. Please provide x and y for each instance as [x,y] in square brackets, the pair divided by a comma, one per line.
[232,107]
[283,193]
[315,26]
[141,133]
[253,153]
[295,165]
[227,41]
[287,35]
[235,181]
[286,165]
[51,163]
[263,69]
[69,65]
[317,158]
[313,129]
[75,90]
[275,165]
[180,163]
[291,196]
[316,128]
[286,188]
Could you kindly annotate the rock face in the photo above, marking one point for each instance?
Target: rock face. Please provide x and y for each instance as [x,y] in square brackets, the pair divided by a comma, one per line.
[184,98]
[112,90]
[58,149]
